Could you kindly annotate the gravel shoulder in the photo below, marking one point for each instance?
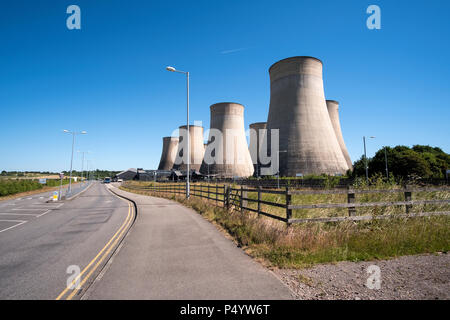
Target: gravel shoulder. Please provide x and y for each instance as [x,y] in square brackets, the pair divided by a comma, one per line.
[424,277]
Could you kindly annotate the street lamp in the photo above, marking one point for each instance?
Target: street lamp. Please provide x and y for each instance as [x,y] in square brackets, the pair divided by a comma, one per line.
[172,69]
[365,158]
[385,160]
[82,162]
[278,163]
[73,133]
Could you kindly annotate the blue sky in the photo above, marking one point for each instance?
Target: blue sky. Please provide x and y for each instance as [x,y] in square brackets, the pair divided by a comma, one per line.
[108,78]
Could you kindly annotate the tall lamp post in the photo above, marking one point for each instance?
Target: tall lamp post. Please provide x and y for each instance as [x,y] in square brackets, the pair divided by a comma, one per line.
[385,160]
[172,69]
[365,158]
[82,162]
[73,133]
[278,163]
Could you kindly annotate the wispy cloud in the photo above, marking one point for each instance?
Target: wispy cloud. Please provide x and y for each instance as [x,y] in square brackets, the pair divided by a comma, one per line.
[233,50]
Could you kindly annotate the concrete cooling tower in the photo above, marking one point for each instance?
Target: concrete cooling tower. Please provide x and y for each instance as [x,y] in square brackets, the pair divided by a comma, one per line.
[308,144]
[169,152]
[256,138]
[227,153]
[197,149]
[333,111]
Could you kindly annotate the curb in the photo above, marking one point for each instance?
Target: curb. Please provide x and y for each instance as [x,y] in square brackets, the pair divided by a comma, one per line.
[76,195]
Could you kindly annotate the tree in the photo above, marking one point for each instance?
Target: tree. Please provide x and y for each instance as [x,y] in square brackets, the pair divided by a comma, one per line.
[422,161]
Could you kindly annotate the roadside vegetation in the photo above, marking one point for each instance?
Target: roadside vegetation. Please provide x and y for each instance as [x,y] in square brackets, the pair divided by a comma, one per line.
[301,245]
[14,186]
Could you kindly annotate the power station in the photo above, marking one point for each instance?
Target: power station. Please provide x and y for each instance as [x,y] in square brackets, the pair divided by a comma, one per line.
[333,111]
[257,131]
[308,143]
[197,148]
[227,153]
[309,131]
[169,153]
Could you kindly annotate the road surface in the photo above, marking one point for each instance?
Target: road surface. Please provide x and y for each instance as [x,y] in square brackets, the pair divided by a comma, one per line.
[39,241]
[171,252]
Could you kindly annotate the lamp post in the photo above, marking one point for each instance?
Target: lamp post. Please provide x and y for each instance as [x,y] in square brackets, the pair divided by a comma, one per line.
[365,158]
[278,163]
[172,69]
[385,160]
[73,133]
[82,162]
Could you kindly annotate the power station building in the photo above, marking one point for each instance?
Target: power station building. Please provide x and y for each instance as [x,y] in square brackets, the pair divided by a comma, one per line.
[257,132]
[227,153]
[197,148]
[169,153]
[307,140]
[333,111]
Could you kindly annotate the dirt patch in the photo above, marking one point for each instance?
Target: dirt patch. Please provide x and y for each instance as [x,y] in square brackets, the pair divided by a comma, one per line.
[410,277]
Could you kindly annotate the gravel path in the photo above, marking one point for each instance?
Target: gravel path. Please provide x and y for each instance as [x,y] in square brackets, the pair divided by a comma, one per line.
[409,277]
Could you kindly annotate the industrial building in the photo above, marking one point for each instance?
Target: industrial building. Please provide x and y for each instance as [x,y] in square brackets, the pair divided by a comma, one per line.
[168,154]
[257,131]
[308,143]
[333,111]
[197,149]
[227,153]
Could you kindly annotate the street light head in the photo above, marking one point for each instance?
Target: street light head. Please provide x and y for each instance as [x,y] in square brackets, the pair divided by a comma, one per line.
[83,132]
[65,130]
[171,69]
[372,137]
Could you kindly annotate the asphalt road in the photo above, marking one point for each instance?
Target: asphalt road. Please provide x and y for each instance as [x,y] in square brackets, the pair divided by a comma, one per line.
[39,241]
[171,252]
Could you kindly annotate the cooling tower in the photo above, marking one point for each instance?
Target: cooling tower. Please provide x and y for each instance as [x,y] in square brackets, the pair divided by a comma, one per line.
[227,153]
[256,138]
[333,111]
[308,144]
[169,152]
[196,146]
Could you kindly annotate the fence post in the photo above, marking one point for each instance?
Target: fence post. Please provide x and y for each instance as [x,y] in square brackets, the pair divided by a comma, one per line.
[227,196]
[288,203]
[240,199]
[259,199]
[217,193]
[408,197]
[351,199]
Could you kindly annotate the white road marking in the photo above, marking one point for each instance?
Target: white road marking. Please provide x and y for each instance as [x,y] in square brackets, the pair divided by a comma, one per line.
[43,213]
[28,209]
[29,198]
[16,225]
[18,214]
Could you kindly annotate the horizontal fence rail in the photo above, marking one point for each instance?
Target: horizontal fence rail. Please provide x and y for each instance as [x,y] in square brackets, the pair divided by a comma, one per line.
[238,199]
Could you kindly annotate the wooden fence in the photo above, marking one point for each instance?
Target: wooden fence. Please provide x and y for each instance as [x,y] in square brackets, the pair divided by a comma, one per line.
[237,199]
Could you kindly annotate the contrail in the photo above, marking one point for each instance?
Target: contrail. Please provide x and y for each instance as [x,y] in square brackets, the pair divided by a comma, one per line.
[232,50]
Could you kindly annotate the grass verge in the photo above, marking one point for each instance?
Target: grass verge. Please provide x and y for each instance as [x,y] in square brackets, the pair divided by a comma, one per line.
[303,245]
